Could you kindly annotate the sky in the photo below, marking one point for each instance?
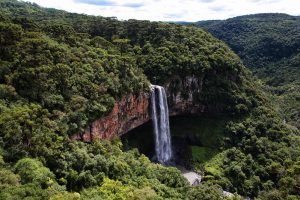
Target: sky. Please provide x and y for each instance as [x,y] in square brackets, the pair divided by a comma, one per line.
[173,10]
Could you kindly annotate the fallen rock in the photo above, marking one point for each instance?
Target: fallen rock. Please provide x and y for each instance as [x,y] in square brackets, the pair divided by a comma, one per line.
[192,177]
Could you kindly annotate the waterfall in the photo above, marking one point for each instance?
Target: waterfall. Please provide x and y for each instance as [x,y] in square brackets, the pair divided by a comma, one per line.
[160,119]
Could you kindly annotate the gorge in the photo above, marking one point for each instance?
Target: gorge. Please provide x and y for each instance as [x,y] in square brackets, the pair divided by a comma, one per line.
[195,125]
[76,112]
[133,110]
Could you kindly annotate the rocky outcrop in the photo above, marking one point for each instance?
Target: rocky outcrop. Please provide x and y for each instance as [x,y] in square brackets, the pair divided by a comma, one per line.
[133,110]
[192,177]
[183,95]
[128,113]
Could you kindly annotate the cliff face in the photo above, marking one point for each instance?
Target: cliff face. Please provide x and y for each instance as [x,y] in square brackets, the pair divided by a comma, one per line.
[183,95]
[134,110]
[128,113]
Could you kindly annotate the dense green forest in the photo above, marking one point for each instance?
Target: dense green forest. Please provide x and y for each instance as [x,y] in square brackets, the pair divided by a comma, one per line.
[269,44]
[60,71]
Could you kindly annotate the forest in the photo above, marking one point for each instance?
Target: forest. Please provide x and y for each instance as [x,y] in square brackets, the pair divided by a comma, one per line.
[60,71]
[269,44]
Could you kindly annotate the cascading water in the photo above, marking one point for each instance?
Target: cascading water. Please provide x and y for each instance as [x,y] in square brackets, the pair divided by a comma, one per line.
[160,119]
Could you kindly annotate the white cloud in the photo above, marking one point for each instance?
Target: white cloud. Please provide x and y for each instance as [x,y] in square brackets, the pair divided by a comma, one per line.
[173,10]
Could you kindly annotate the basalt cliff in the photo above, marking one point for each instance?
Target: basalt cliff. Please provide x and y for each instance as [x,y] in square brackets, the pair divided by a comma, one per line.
[132,110]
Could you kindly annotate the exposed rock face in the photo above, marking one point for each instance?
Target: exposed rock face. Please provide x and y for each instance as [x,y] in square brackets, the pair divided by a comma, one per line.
[133,110]
[128,113]
[183,95]
[192,177]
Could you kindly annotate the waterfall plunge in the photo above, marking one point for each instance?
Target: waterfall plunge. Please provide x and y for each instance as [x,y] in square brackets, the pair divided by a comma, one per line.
[160,119]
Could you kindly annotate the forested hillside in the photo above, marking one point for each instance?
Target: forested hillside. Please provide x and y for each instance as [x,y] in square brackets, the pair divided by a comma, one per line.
[60,71]
[269,44]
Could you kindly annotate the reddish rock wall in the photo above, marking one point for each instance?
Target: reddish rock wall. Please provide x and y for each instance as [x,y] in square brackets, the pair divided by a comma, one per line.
[128,113]
[134,110]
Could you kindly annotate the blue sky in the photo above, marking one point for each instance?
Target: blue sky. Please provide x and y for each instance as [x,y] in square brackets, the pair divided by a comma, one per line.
[173,10]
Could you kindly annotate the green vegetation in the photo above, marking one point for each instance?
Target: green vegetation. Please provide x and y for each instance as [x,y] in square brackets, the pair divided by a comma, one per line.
[195,139]
[269,45]
[102,167]
[60,71]
[213,167]
[203,135]
[206,131]
[202,154]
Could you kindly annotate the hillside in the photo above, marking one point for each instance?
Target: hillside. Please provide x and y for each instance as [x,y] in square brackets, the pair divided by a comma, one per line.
[269,44]
[60,71]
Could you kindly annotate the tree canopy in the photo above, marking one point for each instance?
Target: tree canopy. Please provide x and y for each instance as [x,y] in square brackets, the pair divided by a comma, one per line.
[269,44]
[60,71]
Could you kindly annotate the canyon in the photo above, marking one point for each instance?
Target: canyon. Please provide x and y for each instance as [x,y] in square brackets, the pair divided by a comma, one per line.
[133,110]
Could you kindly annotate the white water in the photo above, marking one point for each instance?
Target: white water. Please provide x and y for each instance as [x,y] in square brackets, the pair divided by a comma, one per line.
[160,119]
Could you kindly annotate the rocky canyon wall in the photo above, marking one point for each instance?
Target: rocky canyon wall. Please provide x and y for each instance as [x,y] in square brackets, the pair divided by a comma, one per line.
[129,112]
[132,111]
[184,95]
